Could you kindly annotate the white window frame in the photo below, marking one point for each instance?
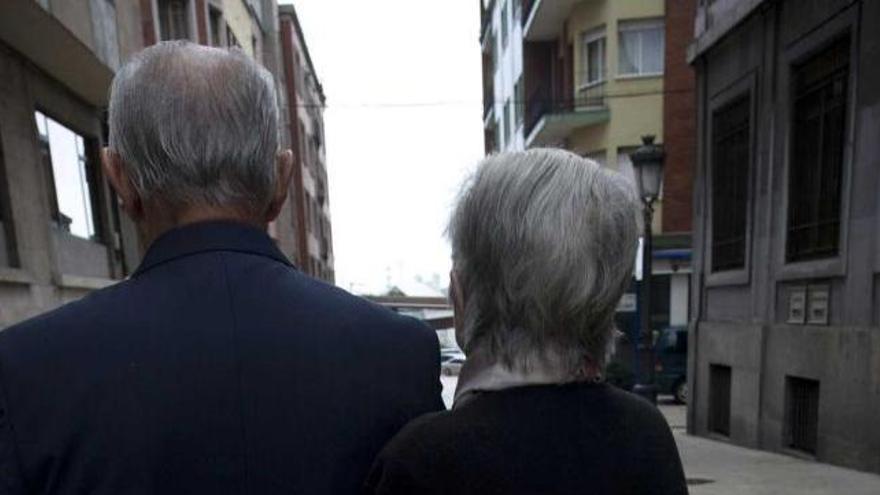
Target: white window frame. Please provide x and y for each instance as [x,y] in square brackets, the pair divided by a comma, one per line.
[639,26]
[588,38]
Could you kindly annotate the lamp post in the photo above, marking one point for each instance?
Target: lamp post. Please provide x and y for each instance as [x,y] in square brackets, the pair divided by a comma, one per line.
[647,163]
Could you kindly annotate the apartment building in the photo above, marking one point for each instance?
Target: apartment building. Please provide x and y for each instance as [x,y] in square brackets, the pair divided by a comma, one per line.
[249,25]
[62,233]
[785,333]
[303,110]
[590,76]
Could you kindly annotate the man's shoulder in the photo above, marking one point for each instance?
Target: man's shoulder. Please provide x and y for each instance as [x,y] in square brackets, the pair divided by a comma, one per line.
[87,308]
[352,310]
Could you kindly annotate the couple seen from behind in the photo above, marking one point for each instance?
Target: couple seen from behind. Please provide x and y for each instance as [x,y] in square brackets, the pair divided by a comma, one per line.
[219,368]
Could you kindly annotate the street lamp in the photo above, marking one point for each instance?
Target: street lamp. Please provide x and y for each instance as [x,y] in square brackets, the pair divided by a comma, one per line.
[647,163]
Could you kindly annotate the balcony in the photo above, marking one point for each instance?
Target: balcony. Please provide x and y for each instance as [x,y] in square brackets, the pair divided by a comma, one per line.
[550,120]
[486,9]
[40,36]
[543,19]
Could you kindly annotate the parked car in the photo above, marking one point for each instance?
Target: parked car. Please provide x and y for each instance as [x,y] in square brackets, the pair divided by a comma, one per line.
[451,361]
[670,362]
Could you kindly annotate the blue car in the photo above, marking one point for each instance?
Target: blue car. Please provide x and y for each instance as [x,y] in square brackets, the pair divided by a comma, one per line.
[670,362]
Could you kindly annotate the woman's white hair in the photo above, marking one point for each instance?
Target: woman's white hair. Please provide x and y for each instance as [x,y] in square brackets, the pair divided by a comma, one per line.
[543,246]
[196,126]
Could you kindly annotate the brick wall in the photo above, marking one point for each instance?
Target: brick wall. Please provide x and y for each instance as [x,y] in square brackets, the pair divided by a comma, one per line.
[679,117]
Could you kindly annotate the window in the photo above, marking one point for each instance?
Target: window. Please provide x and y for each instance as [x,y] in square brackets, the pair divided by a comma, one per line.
[816,166]
[641,48]
[498,47]
[730,183]
[504,25]
[507,127]
[215,18]
[519,101]
[231,40]
[173,19]
[593,57]
[7,244]
[72,180]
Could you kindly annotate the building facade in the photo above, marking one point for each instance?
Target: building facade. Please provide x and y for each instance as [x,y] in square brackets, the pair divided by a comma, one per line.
[62,233]
[303,111]
[590,76]
[785,319]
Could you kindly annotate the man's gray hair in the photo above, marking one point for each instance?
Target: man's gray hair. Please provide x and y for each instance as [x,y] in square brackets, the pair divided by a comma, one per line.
[543,246]
[196,126]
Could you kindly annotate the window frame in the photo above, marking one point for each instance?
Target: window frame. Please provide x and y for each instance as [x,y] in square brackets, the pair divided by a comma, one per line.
[220,35]
[519,103]
[640,25]
[91,173]
[742,101]
[508,125]
[797,97]
[845,24]
[746,86]
[7,223]
[587,38]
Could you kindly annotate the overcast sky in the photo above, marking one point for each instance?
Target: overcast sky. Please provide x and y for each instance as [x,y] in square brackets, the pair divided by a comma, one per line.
[403,125]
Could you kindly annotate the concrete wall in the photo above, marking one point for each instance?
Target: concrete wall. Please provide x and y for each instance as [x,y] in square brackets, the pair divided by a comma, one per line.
[238,18]
[739,317]
[52,266]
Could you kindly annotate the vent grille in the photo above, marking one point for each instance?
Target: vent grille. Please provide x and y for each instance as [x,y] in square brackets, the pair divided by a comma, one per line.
[802,414]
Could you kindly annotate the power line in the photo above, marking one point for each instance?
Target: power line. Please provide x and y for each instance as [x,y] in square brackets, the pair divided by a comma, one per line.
[440,103]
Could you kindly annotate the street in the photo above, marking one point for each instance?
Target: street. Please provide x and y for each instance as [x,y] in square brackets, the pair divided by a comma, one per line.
[717,468]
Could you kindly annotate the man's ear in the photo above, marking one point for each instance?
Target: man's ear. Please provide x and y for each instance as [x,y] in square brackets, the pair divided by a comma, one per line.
[114,170]
[284,172]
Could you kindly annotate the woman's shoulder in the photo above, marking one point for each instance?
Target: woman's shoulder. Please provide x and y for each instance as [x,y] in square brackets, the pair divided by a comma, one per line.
[416,460]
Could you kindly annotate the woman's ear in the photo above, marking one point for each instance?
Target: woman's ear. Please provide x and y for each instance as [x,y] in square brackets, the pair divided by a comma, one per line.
[457,296]
[129,198]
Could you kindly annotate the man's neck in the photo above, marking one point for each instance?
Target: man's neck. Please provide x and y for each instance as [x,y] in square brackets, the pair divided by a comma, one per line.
[157,224]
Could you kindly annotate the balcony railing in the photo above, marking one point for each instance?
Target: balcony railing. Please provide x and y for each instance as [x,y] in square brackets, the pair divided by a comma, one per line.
[542,101]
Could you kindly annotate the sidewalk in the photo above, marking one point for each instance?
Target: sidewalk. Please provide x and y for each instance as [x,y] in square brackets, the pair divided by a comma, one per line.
[718,468]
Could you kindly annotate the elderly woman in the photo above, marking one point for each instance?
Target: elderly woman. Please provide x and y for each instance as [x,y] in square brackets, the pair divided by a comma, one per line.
[543,246]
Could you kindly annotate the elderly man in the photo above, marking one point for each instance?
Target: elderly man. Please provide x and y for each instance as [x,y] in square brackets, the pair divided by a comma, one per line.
[217,367]
[543,245]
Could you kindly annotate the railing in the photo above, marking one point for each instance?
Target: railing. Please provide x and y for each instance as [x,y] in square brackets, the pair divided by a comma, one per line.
[542,101]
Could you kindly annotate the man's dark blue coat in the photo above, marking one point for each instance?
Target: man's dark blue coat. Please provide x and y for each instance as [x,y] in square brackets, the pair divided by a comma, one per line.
[217,368]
